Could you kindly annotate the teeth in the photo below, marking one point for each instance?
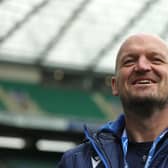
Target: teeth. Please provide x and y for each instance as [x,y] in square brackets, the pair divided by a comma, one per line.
[144,82]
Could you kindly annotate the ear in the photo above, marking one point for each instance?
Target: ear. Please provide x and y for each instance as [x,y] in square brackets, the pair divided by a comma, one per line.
[114,86]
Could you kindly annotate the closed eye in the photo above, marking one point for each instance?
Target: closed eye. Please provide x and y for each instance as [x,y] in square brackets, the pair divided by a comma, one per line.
[128,62]
[158,60]
[129,59]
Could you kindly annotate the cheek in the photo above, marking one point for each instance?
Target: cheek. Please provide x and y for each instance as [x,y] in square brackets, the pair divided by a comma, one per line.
[123,81]
[164,81]
[123,77]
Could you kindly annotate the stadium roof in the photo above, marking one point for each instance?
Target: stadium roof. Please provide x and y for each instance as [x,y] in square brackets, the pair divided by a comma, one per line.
[75,34]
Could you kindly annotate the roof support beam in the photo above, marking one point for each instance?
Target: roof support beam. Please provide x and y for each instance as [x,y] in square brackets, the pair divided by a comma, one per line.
[62,31]
[103,51]
[1,1]
[25,19]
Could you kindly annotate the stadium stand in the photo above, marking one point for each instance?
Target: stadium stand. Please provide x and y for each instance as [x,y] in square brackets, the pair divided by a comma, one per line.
[35,111]
[58,102]
[56,61]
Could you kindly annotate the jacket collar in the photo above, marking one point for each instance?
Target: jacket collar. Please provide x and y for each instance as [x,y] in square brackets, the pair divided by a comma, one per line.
[101,145]
[116,127]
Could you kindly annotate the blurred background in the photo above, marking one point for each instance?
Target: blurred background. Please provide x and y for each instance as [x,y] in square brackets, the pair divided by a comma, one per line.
[56,62]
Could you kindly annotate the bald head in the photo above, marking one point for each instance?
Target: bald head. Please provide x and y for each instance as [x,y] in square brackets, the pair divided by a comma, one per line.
[142,41]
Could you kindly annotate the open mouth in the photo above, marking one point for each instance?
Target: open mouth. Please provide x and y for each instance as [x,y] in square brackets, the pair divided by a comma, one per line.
[143,82]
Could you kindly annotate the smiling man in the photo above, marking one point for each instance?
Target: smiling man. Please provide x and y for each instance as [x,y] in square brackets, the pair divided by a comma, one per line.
[139,137]
[142,74]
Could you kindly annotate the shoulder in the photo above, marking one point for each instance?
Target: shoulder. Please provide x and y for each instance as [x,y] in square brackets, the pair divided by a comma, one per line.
[79,149]
[76,156]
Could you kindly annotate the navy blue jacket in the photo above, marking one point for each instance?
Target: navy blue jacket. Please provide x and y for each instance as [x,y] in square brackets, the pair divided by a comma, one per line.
[106,143]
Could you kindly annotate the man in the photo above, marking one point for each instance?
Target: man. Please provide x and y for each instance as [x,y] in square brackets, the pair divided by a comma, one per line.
[139,138]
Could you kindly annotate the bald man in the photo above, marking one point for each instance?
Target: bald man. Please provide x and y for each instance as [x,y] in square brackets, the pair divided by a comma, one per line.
[139,137]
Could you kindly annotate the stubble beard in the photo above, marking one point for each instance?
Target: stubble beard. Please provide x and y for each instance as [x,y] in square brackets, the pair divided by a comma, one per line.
[143,107]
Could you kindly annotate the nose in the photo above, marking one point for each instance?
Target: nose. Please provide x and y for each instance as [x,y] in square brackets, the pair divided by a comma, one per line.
[143,64]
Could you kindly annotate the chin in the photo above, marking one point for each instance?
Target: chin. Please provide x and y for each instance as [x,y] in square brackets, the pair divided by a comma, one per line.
[144,97]
[144,94]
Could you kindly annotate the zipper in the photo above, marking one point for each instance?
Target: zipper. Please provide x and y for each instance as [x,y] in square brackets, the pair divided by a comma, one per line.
[161,153]
[98,148]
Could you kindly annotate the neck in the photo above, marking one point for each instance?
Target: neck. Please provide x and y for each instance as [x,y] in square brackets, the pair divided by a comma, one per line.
[141,129]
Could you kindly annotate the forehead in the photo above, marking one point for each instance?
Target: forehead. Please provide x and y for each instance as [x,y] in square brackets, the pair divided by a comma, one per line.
[143,44]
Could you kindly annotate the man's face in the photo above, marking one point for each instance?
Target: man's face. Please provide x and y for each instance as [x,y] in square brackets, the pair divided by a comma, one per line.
[142,69]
